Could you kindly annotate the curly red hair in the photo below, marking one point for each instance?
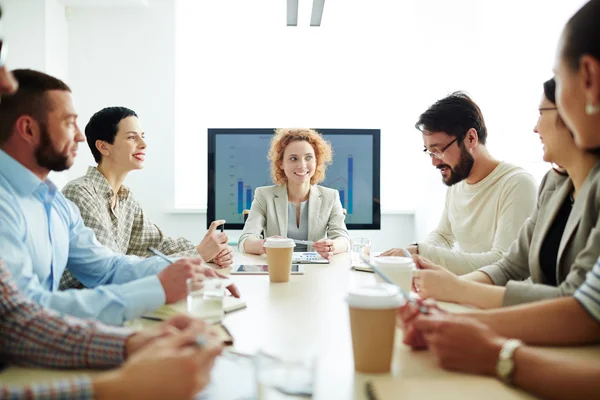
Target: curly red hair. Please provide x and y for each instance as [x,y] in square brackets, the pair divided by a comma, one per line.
[283,137]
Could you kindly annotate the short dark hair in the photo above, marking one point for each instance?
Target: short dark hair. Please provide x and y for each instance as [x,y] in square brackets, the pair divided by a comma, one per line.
[550,90]
[582,34]
[30,99]
[454,115]
[104,126]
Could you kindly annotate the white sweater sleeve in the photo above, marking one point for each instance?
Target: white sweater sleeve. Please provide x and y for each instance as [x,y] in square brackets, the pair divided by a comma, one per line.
[517,202]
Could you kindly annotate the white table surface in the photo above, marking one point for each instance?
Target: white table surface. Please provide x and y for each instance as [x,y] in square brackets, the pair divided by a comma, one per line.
[309,316]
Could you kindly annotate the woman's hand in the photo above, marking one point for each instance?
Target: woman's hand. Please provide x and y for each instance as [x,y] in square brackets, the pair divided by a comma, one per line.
[407,314]
[461,343]
[325,248]
[434,281]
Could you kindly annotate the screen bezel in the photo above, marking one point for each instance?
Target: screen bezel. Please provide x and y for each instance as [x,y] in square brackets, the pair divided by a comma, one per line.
[212,143]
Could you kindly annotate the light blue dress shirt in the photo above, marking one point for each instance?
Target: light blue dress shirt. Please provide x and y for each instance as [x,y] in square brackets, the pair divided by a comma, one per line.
[41,233]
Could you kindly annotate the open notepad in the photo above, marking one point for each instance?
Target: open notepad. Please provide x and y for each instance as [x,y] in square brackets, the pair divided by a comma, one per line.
[230,304]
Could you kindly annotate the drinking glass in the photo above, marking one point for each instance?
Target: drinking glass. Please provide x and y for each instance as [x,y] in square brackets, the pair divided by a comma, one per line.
[205,299]
[361,247]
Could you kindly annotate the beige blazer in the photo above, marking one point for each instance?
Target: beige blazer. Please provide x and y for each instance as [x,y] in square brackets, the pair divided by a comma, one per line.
[579,247]
[269,214]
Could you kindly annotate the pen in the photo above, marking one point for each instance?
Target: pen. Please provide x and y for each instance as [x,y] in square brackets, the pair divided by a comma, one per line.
[306,242]
[151,318]
[159,254]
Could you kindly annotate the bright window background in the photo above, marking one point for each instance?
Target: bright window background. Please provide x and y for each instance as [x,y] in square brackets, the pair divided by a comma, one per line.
[373,64]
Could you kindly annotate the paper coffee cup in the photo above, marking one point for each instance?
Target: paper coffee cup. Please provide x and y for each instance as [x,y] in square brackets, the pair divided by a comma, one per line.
[398,269]
[279,258]
[373,325]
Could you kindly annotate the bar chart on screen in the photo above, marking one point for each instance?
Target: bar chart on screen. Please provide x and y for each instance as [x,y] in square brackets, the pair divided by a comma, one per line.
[238,165]
[346,187]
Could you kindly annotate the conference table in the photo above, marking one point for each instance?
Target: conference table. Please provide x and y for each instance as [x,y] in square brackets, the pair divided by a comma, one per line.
[308,316]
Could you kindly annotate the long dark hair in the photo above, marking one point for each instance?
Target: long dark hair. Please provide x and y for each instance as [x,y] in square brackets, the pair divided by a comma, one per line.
[582,34]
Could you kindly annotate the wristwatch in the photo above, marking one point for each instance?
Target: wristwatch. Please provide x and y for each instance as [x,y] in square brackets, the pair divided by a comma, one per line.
[506,364]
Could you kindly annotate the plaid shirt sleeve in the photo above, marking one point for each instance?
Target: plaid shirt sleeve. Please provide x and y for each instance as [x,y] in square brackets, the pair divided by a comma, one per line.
[31,335]
[145,234]
[71,389]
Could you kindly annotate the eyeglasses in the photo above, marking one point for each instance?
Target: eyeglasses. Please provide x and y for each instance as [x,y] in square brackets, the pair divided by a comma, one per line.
[547,108]
[439,154]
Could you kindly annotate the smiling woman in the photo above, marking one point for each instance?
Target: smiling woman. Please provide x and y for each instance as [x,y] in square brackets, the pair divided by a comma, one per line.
[116,139]
[297,207]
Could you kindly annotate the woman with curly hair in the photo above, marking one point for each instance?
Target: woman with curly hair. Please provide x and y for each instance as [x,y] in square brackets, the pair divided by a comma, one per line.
[296,207]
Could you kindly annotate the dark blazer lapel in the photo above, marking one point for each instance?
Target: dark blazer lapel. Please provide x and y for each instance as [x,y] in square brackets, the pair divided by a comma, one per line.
[576,214]
[553,205]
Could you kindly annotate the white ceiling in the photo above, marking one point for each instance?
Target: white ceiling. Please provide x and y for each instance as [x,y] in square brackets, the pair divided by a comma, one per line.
[103,3]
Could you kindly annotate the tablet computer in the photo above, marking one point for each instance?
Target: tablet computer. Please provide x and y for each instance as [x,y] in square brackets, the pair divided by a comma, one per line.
[263,269]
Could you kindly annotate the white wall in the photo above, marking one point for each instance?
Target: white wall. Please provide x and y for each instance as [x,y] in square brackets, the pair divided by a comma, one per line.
[36,33]
[57,40]
[23,25]
[124,57]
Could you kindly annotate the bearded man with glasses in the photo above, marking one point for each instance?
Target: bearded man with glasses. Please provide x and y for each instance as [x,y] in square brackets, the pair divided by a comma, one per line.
[487,200]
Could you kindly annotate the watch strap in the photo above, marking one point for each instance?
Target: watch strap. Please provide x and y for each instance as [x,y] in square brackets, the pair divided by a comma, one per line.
[506,365]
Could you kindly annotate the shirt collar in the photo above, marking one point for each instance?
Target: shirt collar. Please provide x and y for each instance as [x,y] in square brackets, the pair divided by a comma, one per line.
[21,178]
[102,185]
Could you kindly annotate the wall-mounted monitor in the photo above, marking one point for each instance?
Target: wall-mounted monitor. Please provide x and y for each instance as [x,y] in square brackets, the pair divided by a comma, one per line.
[237,164]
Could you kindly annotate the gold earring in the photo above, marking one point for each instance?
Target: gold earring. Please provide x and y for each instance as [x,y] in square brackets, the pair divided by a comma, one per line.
[591,109]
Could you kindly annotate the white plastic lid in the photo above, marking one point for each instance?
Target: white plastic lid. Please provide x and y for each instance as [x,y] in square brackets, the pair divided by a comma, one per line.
[394,261]
[280,243]
[378,296]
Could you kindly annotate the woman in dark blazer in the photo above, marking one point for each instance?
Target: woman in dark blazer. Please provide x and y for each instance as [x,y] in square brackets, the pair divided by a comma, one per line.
[555,247]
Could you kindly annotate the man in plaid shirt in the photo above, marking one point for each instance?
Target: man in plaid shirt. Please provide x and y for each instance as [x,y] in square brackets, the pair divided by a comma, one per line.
[117,142]
[36,337]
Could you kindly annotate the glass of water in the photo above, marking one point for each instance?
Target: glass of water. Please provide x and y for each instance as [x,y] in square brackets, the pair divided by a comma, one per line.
[205,299]
[361,247]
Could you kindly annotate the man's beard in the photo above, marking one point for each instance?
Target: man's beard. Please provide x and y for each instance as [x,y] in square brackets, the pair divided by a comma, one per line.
[47,156]
[461,170]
